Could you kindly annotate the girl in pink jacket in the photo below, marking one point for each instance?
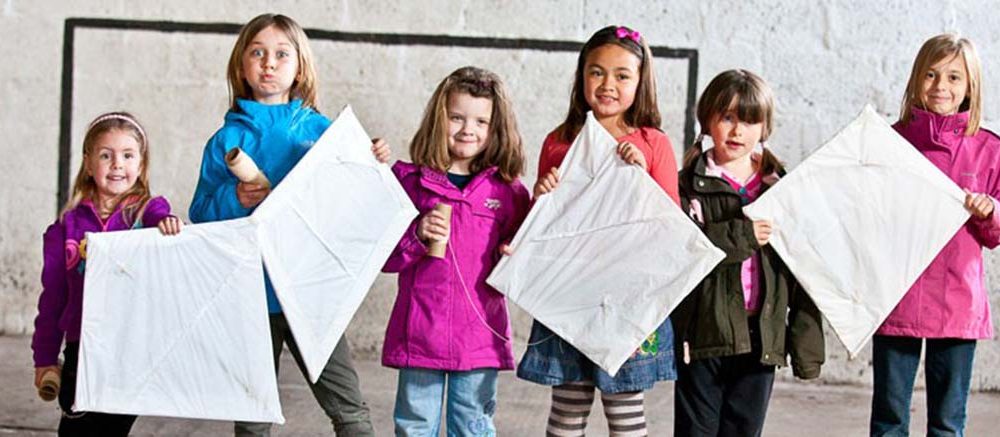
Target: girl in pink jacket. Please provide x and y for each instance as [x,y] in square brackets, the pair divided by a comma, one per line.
[948,305]
[448,328]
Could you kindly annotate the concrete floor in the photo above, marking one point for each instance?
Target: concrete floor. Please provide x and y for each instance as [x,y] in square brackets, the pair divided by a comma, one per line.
[797,409]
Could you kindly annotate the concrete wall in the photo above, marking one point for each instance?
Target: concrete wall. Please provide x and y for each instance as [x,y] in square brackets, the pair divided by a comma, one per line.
[825,61]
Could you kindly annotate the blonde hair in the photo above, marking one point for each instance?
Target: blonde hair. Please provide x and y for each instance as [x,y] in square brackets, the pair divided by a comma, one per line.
[84,186]
[934,50]
[504,149]
[305,84]
[644,111]
[745,94]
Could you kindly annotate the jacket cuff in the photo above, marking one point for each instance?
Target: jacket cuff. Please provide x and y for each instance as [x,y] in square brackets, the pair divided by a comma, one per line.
[802,371]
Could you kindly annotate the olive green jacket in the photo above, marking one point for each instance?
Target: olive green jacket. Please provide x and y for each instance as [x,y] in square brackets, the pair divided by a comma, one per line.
[712,320]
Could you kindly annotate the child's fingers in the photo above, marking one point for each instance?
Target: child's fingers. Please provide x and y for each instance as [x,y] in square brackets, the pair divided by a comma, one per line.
[506,250]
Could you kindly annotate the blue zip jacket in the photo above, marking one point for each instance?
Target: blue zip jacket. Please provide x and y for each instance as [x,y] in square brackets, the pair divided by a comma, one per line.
[276,137]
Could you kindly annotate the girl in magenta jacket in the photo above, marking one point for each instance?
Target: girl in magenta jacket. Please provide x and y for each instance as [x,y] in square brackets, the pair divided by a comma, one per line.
[110,193]
[948,305]
[449,329]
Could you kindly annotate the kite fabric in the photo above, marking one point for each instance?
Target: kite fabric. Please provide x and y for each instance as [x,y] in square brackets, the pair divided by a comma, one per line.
[177,325]
[325,233]
[848,224]
[603,259]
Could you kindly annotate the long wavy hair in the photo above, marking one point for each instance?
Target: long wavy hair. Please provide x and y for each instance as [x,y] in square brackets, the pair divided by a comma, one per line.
[504,148]
[642,113]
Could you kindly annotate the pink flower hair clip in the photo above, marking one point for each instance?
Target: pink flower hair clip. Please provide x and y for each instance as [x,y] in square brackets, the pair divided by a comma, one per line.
[623,32]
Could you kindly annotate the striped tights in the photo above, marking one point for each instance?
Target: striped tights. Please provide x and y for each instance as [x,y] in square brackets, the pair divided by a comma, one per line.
[571,405]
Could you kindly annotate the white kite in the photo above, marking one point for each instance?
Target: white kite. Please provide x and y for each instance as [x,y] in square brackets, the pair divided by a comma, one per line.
[177,325]
[604,258]
[858,221]
[325,233]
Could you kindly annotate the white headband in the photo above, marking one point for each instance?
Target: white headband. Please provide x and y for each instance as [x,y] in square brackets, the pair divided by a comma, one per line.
[117,116]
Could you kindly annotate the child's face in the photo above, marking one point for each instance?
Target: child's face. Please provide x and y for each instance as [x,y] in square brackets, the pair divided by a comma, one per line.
[270,66]
[114,162]
[468,128]
[733,138]
[945,86]
[611,76]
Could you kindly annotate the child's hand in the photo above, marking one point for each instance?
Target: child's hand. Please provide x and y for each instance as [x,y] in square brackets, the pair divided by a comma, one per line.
[547,183]
[250,195]
[978,204]
[381,150]
[170,225]
[40,371]
[762,231]
[631,154]
[433,227]
[505,249]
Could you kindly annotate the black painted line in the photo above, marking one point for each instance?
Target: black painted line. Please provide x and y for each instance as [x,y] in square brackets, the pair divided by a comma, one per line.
[391,39]
[65,117]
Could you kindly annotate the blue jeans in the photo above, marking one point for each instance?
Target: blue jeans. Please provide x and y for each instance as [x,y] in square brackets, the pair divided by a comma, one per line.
[947,370]
[472,400]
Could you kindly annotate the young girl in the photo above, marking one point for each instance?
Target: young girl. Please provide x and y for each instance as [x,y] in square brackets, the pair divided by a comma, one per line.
[273,118]
[614,79]
[733,329]
[948,304]
[448,328]
[111,193]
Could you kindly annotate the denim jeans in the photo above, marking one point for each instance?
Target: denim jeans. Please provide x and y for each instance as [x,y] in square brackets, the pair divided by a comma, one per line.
[471,402]
[947,370]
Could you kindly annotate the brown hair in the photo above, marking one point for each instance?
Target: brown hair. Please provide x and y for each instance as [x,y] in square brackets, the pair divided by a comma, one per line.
[935,50]
[305,84]
[84,186]
[642,113]
[750,98]
[504,149]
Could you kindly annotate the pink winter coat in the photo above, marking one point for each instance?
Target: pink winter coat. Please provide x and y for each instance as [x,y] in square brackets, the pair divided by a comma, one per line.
[437,323]
[950,299]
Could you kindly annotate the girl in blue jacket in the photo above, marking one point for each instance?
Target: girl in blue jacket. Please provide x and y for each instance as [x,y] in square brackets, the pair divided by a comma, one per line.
[273,119]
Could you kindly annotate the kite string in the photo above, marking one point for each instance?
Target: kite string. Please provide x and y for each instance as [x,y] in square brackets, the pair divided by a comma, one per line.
[468,296]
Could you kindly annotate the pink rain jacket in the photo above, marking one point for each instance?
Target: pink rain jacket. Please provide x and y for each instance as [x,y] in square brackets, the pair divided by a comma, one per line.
[950,299]
[437,323]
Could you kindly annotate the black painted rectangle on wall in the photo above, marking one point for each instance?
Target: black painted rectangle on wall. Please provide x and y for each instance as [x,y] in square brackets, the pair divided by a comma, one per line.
[390,39]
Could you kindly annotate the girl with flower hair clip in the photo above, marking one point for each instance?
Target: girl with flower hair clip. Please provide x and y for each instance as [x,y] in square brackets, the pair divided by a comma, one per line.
[614,79]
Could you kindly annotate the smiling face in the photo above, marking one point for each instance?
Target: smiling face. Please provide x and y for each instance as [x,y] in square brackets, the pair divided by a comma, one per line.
[945,86]
[734,138]
[468,129]
[270,66]
[115,163]
[611,77]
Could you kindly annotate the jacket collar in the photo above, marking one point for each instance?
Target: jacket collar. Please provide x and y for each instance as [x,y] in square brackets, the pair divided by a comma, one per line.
[927,128]
[437,181]
[258,115]
[703,182]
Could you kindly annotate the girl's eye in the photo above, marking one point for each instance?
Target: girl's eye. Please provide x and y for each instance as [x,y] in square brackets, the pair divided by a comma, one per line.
[930,74]
[954,78]
[596,73]
[727,117]
[256,53]
[483,122]
[104,156]
[623,77]
[282,54]
[129,155]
